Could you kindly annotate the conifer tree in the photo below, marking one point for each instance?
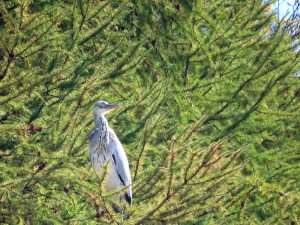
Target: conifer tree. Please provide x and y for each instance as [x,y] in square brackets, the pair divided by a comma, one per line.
[209,115]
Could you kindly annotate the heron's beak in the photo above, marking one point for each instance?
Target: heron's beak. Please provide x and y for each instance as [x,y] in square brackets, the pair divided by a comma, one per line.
[112,106]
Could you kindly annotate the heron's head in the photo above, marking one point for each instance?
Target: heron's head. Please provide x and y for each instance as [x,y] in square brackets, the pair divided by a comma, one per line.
[102,107]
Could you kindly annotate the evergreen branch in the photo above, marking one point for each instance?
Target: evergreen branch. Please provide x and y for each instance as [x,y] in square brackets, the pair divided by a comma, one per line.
[98,30]
[119,68]
[143,98]
[145,140]
[31,21]
[35,83]
[6,15]
[185,73]
[97,10]
[8,63]
[35,41]
[168,193]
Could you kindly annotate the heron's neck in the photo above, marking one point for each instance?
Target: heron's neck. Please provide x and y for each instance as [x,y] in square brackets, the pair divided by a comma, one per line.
[102,126]
[100,121]
[97,115]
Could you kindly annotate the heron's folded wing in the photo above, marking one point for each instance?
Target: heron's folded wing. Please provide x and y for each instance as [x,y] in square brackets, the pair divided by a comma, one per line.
[94,140]
[121,165]
[120,159]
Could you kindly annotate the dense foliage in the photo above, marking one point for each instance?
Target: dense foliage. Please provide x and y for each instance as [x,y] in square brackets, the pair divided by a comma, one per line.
[209,118]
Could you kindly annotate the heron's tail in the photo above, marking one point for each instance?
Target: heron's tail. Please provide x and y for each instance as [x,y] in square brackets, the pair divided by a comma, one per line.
[128,197]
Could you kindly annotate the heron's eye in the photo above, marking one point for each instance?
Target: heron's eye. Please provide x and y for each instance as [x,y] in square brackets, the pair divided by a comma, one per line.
[101,105]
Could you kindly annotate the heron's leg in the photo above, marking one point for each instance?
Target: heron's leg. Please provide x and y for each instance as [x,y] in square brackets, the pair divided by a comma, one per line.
[116,208]
[120,209]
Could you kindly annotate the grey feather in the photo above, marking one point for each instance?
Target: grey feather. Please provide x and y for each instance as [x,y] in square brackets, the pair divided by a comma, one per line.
[120,157]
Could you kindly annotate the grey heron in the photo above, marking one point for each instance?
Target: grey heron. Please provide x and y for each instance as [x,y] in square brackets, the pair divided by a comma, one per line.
[105,147]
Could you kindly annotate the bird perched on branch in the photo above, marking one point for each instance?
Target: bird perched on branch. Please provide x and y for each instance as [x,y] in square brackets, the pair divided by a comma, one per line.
[106,149]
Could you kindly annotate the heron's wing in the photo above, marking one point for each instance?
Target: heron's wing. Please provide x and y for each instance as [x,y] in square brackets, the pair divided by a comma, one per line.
[94,141]
[120,162]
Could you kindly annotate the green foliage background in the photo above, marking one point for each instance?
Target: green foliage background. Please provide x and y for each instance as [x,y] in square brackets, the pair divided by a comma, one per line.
[209,117]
